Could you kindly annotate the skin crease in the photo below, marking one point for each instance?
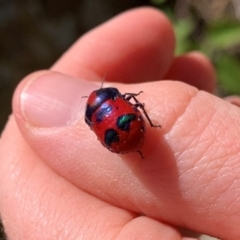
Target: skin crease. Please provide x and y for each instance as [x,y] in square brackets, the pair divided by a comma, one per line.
[55,183]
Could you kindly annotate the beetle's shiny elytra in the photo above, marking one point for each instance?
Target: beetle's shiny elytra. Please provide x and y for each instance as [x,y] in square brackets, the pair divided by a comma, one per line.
[116,121]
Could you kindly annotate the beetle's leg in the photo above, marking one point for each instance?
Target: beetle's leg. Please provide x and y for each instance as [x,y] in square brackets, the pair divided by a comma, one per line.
[129,96]
[141,105]
[141,154]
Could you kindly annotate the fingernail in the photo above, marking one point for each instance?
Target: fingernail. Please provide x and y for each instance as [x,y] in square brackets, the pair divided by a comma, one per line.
[54,100]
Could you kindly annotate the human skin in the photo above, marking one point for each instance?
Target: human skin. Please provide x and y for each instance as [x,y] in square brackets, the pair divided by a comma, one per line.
[58,182]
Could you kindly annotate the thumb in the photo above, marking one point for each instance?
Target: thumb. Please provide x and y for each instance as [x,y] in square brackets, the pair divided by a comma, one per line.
[190,176]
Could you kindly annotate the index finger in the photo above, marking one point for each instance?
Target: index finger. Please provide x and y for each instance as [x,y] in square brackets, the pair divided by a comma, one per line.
[115,49]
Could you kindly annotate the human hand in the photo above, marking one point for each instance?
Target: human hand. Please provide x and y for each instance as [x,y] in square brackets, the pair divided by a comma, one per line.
[58,182]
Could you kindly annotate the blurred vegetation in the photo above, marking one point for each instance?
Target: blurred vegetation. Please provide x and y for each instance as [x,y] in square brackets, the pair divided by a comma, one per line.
[212,27]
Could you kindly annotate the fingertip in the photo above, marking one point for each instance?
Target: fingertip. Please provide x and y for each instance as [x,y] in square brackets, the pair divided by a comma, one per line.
[195,69]
[144,227]
[135,46]
[50,99]
[22,84]
[235,100]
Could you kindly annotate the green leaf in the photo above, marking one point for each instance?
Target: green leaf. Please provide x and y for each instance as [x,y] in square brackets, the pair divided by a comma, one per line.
[221,35]
[228,70]
[183,28]
[158,2]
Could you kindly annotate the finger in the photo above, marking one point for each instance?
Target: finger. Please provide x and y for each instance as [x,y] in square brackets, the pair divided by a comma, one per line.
[135,46]
[36,203]
[191,171]
[233,99]
[195,69]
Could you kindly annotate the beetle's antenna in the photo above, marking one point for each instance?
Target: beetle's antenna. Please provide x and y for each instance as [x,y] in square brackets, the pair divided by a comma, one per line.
[104,77]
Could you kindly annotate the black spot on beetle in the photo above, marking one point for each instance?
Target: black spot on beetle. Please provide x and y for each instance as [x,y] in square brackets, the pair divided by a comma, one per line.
[104,94]
[111,136]
[88,114]
[103,111]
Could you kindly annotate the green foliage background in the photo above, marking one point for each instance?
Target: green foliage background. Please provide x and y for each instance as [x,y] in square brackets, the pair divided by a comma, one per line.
[218,38]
